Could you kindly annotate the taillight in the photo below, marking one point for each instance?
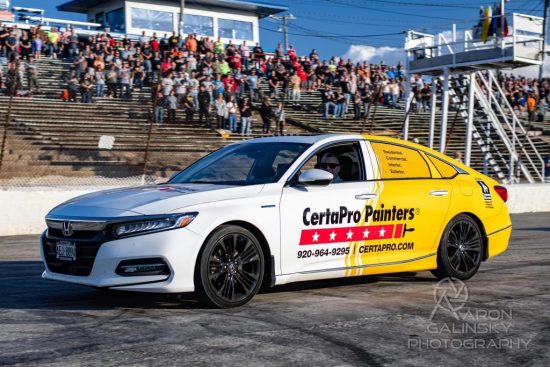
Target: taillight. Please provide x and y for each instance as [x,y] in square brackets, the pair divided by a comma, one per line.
[502,192]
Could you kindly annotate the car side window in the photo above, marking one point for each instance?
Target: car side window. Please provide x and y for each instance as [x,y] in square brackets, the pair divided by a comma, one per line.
[400,162]
[445,169]
[342,160]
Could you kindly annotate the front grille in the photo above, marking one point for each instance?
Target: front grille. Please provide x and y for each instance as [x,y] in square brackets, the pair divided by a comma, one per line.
[87,244]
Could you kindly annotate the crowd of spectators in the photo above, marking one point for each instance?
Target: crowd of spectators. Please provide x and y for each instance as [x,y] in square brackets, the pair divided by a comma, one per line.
[220,82]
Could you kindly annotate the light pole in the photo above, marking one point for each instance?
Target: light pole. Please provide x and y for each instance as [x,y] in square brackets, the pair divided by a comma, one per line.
[180,28]
[285,18]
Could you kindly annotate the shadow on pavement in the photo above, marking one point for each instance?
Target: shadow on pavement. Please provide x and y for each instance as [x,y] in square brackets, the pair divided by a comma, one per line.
[23,288]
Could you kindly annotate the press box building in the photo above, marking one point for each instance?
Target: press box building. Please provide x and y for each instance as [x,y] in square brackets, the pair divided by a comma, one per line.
[229,19]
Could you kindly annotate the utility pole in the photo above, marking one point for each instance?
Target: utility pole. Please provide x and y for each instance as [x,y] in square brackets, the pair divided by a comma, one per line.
[544,26]
[180,28]
[285,18]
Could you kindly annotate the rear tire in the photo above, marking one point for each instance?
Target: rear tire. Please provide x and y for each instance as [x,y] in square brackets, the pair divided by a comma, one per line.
[231,267]
[460,249]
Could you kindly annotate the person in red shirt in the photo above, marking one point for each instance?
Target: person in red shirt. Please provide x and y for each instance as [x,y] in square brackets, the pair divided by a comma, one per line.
[291,53]
[166,65]
[235,61]
[231,85]
[155,44]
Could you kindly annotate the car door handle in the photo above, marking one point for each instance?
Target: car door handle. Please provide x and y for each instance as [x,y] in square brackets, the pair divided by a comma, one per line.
[366,196]
[439,193]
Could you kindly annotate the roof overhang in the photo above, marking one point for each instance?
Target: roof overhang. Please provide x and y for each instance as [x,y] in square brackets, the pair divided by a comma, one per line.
[259,8]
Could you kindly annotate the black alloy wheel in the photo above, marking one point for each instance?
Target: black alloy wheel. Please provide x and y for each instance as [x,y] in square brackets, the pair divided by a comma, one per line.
[460,250]
[231,267]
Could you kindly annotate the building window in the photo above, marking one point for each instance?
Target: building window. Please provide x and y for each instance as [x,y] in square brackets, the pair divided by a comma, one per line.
[235,29]
[152,19]
[115,20]
[198,24]
[100,18]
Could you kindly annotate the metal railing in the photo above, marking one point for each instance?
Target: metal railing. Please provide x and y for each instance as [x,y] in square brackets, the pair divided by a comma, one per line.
[509,129]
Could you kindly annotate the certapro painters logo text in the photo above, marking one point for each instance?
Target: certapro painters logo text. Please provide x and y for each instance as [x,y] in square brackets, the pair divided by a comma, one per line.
[452,325]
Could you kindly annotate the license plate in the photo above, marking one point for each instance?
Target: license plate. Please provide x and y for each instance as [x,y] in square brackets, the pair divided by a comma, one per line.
[65,250]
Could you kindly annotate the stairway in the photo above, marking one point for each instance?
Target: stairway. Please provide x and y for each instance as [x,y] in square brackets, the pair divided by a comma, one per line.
[507,148]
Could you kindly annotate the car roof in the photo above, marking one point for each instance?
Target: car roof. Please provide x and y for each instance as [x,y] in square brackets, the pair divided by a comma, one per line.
[307,139]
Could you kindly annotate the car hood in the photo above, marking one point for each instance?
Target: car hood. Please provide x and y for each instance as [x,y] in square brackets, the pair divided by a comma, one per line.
[147,200]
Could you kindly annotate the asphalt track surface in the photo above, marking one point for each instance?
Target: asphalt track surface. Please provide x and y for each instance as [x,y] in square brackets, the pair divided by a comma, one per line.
[376,320]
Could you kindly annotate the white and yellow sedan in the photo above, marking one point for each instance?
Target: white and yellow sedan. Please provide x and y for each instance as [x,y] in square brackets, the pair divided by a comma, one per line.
[279,210]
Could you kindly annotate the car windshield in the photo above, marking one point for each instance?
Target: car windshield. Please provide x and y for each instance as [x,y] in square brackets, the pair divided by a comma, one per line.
[243,164]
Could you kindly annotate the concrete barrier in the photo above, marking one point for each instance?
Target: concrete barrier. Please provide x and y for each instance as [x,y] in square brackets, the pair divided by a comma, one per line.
[22,210]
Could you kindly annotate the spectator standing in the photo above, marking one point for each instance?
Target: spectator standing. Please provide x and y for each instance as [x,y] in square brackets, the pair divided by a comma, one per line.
[204,105]
[328,101]
[32,77]
[266,112]
[252,81]
[25,46]
[37,46]
[86,90]
[4,33]
[279,51]
[167,84]
[144,39]
[221,111]
[112,82]
[426,96]
[386,92]
[189,107]
[180,86]
[280,116]
[12,47]
[53,39]
[246,115]
[99,83]
[394,91]
[340,99]
[158,103]
[258,52]
[13,79]
[125,76]
[81,64]
[191,43]
[232,113]
[531,105]
[72,44]
[245,54]
[273,82]
[357,103]
[295,82]
[73,86]
[171,105]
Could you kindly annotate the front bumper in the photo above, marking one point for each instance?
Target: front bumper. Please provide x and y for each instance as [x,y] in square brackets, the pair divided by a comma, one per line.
[179,248]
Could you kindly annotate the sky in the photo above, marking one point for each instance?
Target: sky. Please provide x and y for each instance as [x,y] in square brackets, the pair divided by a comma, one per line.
[358,29]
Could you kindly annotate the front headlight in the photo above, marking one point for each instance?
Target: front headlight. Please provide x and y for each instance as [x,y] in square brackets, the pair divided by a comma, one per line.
[155,224]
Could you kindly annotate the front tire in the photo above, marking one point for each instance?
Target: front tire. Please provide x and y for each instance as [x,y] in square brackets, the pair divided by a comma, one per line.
[231,267]
[460,249]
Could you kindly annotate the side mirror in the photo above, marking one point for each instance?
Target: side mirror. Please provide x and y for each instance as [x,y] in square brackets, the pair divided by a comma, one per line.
[315,177]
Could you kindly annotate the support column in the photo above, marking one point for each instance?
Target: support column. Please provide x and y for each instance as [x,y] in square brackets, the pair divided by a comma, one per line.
[444,110]
[432,113]
[408,101]
[469,126]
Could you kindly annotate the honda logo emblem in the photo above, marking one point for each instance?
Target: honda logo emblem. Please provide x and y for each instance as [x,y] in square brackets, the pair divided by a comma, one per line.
[67,229]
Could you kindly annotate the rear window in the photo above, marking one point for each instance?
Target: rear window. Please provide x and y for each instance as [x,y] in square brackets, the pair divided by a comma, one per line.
[399,162]
[445,169]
